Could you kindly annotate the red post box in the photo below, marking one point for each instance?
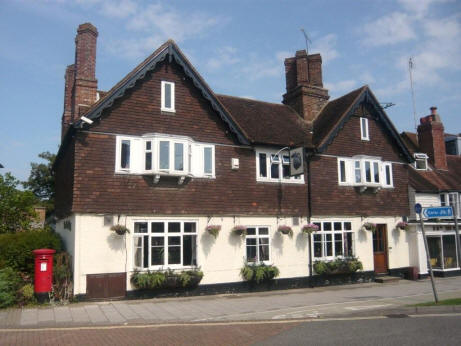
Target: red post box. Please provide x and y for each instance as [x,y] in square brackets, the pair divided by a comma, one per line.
[43,273]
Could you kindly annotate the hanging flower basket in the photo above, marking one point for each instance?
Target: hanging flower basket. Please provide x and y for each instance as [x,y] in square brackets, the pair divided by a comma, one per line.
[120,229]
[213,230]
[403,225]
[369,226]
[309,228]
[285,230]
[240,230]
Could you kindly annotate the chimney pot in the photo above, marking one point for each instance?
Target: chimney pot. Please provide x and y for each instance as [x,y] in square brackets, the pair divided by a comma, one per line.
[433,110]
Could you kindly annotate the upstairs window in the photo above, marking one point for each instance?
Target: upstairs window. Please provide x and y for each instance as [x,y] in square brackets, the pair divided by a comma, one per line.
[421,161]
[364,129]
[168,97]
[273,166]
[364,172]
[449,199]
[125,154]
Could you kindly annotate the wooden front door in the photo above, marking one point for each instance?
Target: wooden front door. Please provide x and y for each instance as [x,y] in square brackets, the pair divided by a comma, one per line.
[380,249]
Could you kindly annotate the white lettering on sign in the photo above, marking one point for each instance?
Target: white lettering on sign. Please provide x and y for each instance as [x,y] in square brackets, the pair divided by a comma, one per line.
[43,267]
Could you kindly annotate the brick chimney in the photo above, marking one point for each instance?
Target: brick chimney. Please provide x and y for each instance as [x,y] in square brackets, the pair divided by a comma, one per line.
[80,79]
[304,83]
[431,139]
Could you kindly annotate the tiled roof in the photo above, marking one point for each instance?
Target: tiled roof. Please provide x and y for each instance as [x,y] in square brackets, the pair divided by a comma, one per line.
[411,140]
[438,180]
[267,123]
[332,114]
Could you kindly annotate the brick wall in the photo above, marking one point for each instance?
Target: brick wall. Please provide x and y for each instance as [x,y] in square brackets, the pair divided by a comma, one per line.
[328,198]
[98,189]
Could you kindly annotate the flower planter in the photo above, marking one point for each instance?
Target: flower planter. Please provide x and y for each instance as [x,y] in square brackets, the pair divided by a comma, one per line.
[240,230]
[309,228]
[286,230]
[403,226]
[369,226]
[120,229]
[213,230]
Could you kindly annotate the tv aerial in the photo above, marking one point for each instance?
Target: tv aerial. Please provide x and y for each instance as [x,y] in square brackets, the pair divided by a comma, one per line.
[308,40]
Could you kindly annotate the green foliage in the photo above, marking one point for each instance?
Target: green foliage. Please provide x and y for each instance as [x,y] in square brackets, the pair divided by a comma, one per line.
[16,249]
[338,266]
[10,282]
[26,295]
[41,180]
[166,279]
[16,206]
[259,272]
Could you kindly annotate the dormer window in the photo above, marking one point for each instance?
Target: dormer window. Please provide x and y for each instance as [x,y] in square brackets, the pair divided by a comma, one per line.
[421,161]
[168,97]
[364,129]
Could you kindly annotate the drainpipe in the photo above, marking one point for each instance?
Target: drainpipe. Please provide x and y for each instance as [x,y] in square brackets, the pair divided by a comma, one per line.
[309,207]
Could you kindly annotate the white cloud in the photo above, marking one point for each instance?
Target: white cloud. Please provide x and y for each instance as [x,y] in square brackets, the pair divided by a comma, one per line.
[419,8]
[341,86]
[118,9]
[225,56]
[282,55]
[367,78]
[390,29]
[325,45]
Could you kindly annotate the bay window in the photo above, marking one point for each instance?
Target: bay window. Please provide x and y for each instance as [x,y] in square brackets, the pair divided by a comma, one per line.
[364,171]
[164,244]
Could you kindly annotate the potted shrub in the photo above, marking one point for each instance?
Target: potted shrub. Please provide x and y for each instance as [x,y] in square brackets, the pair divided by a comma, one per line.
[285,230]
[370,226]
[213,230]
[120,229]
[258,273]
[309,228]
[240,230]
[403,225]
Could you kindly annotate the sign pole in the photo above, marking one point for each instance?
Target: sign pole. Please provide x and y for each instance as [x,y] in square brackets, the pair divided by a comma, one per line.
[429,265]
[458,240]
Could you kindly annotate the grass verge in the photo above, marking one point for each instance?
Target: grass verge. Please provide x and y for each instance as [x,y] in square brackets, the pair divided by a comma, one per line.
[454,301]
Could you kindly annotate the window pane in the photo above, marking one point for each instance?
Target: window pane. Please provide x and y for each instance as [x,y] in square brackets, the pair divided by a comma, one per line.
[148,145]
[442,200]
[251,231]
[338,244]
[189,256]
[207,153]
[317,245]
[388,175]
[264,252]
[138,246]
[145,252]
[376,171]
[140,227]
[164,155]
[157,251]
[358,173]
[286,171]
[449,251]
[367,171]
[179,156]
[148,161]
[327,226]
[158,227]
[174,227]
[328,245]
[263,230]
[342,169]
[275,171]
[337,226]
[347,226]
[189,227]
[364,128]
[348,244]
[435,251]
[174,254]
[167,95]
[262,165]
[251,241]
[251,253]
[125,159]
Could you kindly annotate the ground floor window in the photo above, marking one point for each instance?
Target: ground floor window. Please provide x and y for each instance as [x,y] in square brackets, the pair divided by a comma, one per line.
[442,251]
[333,239]
[164,244]
[257,244]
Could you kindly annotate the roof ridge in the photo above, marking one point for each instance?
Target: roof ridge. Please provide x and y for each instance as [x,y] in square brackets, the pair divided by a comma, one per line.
[249,99]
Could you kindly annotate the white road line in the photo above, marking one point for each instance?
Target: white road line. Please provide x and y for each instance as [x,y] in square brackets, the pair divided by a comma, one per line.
[365,307]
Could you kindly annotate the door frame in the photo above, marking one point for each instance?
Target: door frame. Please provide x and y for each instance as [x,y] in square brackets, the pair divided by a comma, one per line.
[383,229]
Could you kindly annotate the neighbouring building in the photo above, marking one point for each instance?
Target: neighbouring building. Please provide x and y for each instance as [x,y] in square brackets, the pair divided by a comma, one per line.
[163,155]
[434,180]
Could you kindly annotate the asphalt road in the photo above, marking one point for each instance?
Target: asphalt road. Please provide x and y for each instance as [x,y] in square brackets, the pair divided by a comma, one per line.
[421,330]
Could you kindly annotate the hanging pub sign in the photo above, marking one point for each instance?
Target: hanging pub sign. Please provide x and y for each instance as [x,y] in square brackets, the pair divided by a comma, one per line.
[296,161]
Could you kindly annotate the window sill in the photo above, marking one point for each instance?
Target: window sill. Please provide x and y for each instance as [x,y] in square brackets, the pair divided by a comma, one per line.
[166,110]
[301,181]
[164,268]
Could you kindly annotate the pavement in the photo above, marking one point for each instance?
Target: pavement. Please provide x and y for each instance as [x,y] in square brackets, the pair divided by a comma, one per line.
[351,301]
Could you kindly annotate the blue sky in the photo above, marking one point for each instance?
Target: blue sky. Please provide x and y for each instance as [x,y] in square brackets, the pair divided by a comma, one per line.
[237,46]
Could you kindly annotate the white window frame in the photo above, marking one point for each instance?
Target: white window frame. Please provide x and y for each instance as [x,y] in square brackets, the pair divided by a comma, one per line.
[323,236]
[118,155]
[421,157]
[364,126]
[163,106]
[166,237]
[345,182]
[361,162]
[450,201]
[258,236]
[278,160]
[212,173]
[384,175]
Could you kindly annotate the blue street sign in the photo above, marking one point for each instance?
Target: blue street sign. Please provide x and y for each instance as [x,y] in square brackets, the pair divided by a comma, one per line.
[438,213]
[418,208]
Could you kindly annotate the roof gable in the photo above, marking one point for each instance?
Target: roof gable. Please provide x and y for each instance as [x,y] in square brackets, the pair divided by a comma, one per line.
[336,113]
[171,51]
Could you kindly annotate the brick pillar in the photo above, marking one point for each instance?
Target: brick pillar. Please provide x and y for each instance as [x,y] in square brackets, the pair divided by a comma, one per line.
[431,139]
[67,115]
[86,84]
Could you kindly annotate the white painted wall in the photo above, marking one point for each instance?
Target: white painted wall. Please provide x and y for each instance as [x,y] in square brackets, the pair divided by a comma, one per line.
[99,250]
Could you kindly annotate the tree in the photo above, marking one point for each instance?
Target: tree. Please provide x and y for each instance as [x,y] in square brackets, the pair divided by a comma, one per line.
[41,180]
[16,207]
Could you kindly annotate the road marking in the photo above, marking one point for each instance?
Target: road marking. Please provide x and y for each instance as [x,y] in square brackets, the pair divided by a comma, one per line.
[365,307]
